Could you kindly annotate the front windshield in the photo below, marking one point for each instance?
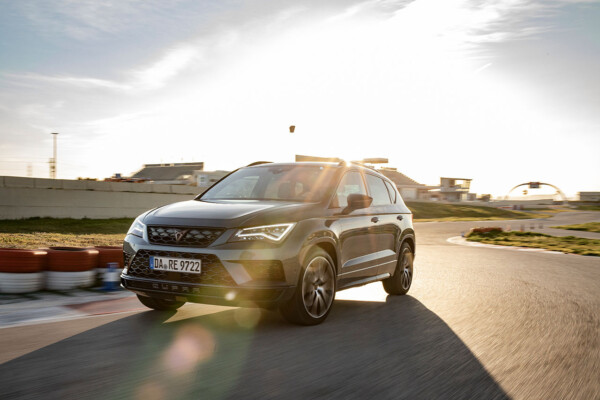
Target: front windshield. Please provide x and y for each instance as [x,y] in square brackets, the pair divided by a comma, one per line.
[305,183]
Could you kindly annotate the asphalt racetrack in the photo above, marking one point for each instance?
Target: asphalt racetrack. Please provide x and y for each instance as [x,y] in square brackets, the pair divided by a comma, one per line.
[478,323]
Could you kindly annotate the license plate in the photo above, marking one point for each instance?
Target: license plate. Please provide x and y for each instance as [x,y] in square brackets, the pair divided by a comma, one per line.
[175,264]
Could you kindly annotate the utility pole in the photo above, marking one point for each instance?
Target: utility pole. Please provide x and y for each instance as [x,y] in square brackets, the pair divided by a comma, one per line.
[53,159]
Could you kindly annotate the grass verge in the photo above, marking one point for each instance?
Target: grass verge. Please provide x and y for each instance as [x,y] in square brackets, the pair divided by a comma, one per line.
[589,208]
[461,212]
[66,225]
[588,227]
[43,239]
[35,233]
[565,244]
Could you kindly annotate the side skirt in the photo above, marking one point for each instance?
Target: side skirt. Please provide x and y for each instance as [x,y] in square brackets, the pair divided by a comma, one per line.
[364,281]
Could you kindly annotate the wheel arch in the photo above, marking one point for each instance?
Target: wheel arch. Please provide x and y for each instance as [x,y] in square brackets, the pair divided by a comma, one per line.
[409,238]
[328,245]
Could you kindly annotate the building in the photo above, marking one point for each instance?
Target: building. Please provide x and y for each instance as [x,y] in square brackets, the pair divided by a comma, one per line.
[454,189]
[206,179]
[169,174]
[408,188]
[589,196]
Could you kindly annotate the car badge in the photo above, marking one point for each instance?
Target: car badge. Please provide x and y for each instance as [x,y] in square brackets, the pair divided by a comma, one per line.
[179,235]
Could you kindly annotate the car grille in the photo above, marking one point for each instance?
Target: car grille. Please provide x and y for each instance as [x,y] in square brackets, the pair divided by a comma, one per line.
[126,258]
[213,272]
[267,270]
[181,236]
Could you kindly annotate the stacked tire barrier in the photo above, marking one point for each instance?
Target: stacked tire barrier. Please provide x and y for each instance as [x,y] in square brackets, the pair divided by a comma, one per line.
[55,268]
[71,267]
[22,271]
[107,255]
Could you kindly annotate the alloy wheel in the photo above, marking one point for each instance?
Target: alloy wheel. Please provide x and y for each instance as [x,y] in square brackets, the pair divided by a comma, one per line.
[318,287]
[406,272]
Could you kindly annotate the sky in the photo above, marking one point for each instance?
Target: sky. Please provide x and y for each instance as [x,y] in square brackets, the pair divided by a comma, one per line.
[500,91]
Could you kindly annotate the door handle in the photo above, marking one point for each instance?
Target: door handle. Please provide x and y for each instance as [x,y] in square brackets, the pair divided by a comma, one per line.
[399,217]
[375,219]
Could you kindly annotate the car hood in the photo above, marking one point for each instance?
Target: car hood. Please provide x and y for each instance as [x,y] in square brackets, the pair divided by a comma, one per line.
[227,213]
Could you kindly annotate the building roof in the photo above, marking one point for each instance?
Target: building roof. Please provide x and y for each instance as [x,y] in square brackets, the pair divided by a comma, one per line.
[457,179]
[301,158]
[399,178]
[168,172]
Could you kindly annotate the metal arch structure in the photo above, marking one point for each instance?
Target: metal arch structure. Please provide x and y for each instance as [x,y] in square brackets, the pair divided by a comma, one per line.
[538,184]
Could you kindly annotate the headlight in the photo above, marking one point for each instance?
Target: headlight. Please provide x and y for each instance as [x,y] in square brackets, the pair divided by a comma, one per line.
[273,233]
[137,228]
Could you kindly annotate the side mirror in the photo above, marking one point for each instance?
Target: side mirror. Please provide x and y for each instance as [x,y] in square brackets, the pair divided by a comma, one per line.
[357,201]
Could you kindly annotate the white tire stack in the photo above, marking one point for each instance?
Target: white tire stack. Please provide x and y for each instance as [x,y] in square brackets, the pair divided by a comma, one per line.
[21,270]
[11,282]
[60,280]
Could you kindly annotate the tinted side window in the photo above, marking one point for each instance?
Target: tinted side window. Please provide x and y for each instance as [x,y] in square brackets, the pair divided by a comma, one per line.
[378,191]
[391,190]
[351,183]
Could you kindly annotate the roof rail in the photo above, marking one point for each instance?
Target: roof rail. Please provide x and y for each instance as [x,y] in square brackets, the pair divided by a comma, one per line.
[259,163]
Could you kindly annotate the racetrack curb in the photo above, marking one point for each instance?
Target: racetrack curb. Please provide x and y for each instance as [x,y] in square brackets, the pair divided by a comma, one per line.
[52,307]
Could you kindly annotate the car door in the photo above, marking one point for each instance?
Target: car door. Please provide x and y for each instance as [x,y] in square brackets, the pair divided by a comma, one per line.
[384,230]
[356,245]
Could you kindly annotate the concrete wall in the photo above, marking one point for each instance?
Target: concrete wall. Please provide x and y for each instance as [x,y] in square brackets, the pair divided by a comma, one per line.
[589,196]
[408,193]
[61,198]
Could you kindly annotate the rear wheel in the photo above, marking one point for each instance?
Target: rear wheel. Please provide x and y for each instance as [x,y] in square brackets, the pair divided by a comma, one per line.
[315,291]
[160,304]
[399,284]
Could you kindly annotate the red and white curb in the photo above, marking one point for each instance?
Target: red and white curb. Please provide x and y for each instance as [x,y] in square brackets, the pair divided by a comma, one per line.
[464,242]
[52,308]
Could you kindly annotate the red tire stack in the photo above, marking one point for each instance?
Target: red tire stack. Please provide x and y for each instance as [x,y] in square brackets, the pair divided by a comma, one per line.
[109,254]
[71,267]
[21,270]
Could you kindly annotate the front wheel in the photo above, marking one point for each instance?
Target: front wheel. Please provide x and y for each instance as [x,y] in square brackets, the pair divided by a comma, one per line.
[315,291]
[160,304]
[399,284]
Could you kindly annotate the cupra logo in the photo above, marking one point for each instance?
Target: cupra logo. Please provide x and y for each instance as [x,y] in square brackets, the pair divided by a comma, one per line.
[179,235]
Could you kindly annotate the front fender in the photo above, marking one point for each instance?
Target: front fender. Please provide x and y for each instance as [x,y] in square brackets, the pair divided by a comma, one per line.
[326,238]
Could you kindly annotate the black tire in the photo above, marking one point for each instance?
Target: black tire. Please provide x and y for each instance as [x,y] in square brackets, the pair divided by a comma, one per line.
[160,304]
[315,291]
[399,283]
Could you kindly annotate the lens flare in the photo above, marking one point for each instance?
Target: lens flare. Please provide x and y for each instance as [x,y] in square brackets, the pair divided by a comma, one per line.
[192,345]
[150,391]
[247,317]
[230,296]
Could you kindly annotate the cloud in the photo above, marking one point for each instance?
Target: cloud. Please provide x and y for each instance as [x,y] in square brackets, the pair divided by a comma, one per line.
[172,63]
[89,19]
[150,77]
[81,82]
[483,67]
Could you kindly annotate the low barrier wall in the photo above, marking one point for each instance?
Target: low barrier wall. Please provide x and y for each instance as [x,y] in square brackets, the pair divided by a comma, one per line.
[61,198]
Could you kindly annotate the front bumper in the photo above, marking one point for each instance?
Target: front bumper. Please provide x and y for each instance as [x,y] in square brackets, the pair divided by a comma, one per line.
[232,275]
[267,297]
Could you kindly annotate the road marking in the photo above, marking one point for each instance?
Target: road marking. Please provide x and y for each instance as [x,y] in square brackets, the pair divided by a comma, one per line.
[464,242]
